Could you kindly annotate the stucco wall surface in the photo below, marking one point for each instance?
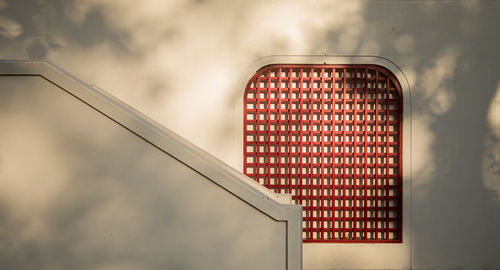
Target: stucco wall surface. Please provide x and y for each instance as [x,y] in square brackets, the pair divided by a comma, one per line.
[184,64]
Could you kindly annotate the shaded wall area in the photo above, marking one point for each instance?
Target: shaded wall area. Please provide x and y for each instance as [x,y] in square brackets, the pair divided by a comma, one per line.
[78,190]
[448,53]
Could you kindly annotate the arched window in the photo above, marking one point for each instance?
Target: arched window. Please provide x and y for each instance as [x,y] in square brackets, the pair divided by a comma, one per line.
[331,135]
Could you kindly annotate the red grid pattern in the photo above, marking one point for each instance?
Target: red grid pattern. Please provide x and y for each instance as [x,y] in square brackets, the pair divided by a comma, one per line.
[331,135]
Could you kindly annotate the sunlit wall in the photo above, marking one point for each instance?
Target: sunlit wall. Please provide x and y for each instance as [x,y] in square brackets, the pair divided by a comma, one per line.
[182,63]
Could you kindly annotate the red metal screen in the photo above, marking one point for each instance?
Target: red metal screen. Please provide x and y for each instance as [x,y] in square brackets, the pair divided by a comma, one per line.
[331,135]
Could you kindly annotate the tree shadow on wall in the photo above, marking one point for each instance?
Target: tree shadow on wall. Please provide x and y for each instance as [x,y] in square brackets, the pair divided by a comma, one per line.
[454,73]
[39,26]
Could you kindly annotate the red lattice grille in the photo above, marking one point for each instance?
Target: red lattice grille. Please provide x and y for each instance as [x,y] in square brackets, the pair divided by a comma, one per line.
[331,136]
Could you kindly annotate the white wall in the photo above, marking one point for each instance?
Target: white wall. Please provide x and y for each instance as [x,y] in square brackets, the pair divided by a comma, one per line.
[87,183]
[182,63]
